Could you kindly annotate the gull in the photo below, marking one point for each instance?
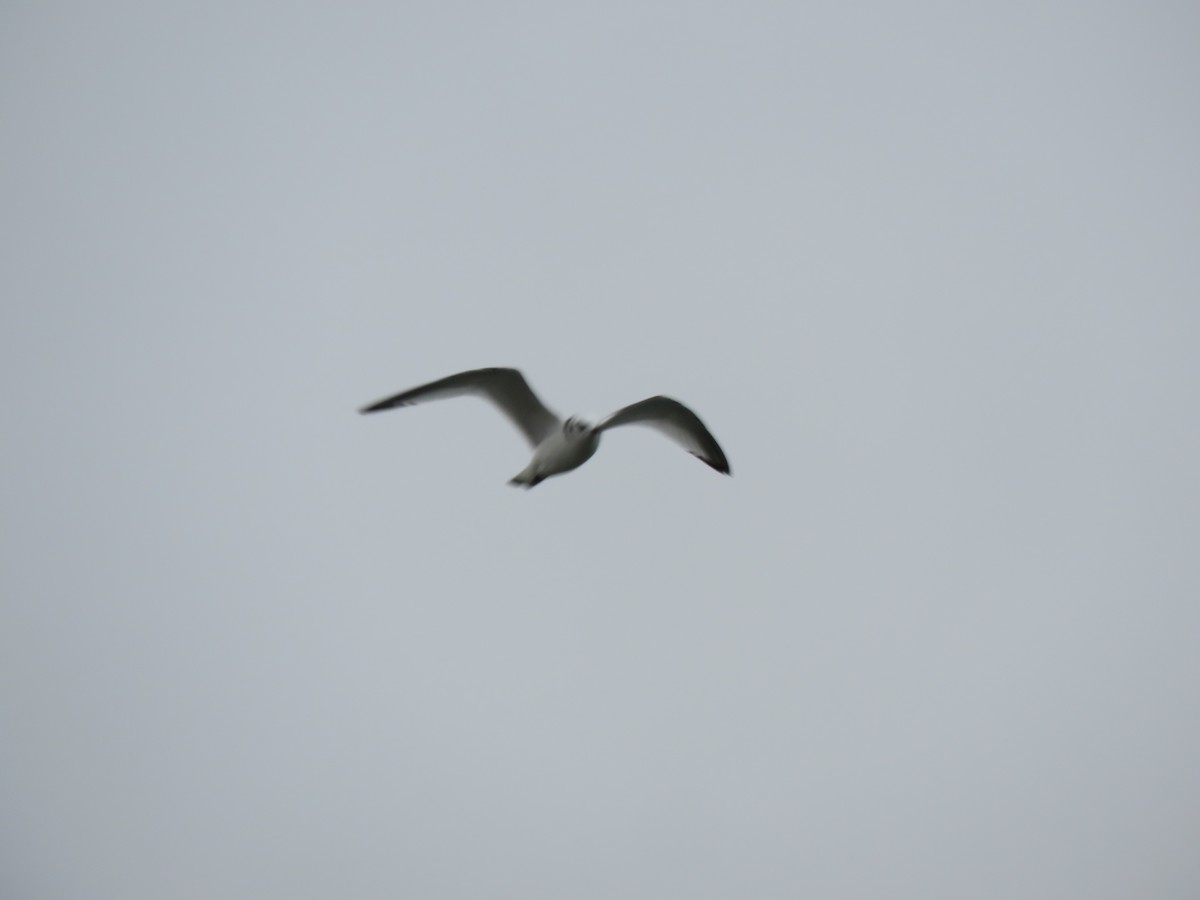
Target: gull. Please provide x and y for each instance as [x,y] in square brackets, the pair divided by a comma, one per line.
[560,446]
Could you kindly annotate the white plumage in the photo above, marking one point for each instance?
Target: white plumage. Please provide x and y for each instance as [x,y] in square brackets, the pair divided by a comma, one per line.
[560,446]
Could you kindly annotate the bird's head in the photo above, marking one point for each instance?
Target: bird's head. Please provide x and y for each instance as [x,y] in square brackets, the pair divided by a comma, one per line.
[578,425]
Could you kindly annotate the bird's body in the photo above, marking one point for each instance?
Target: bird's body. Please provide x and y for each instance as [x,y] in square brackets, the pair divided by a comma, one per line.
[565,449]
[560,446]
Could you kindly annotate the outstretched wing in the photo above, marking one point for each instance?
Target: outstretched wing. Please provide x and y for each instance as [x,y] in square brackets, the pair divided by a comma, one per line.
[507,388]
[677,422]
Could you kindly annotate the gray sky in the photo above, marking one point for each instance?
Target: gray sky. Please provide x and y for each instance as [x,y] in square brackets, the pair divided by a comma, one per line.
[929,272]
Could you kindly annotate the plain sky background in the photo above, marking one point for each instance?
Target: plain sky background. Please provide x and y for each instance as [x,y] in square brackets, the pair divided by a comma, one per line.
[929,271]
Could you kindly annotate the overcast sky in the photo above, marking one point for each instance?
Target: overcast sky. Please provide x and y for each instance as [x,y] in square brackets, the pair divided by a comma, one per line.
[930,273]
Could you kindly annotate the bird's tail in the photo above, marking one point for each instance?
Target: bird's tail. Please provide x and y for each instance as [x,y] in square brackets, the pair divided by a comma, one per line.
[526,479]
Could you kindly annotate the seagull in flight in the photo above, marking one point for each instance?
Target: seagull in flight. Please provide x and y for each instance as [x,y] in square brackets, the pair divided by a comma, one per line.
[560,446]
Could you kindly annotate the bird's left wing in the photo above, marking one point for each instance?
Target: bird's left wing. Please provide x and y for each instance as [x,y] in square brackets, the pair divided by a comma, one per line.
[506,388]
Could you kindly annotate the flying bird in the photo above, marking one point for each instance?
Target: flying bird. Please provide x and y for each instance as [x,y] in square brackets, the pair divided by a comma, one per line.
[560,446]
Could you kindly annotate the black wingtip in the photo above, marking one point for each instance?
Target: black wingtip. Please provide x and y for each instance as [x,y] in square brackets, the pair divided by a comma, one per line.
[381,405]
[717,465]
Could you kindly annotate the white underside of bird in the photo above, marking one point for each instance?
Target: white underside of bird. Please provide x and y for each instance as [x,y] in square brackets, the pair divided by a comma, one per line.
[562,445]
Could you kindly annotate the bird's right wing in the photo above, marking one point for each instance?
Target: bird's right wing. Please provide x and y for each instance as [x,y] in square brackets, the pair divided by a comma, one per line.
[507,388]
[676,421]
